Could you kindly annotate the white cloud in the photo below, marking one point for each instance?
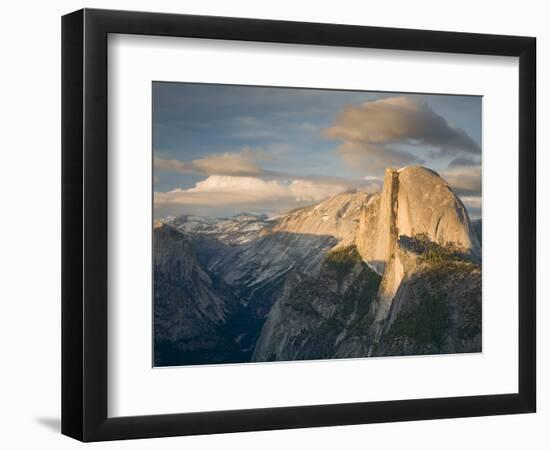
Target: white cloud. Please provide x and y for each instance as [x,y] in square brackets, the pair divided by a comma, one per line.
[236,193]
[308,191]
[236,189]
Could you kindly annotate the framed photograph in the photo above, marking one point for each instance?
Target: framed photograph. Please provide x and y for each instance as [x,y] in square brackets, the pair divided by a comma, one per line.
[273,224]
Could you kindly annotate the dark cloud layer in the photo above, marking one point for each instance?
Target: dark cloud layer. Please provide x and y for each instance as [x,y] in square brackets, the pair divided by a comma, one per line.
[243,163]
[464,180]
[463,161]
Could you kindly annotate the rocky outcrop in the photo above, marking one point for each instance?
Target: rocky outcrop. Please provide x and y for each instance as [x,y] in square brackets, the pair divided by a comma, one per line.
[257,271]
[315,315]
[192,307]
[296,241]
[416,237]
[231,231]
[378,228]
[436,307]
[338,216]
[436,310]
[414,201]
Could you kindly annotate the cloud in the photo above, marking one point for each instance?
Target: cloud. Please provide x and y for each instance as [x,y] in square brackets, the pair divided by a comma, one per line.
[473,205]
[372,132]
[219,190]
[308,191]
[463,161]
[232,194]
[243,163]
[465,181]
[374,158]
[472,201]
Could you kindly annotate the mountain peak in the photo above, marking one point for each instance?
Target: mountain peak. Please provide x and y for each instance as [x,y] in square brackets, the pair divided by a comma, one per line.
[414,200]
[337,216]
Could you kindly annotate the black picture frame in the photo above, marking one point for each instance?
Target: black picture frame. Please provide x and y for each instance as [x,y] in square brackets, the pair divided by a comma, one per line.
[84,224]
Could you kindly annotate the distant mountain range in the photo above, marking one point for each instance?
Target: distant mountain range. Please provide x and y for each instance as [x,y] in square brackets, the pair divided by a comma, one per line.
[356,275]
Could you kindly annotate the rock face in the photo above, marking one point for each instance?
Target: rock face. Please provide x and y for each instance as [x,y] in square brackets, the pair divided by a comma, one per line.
[315,314]
[436,307]
[247,257]
[192,307]
[256,266]
[414,201]
[231,231]
[338,216]
[416,214]
[257,271]
[437,310]
[417,238]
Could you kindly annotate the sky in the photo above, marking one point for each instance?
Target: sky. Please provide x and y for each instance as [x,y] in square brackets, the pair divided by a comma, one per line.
[220,150]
